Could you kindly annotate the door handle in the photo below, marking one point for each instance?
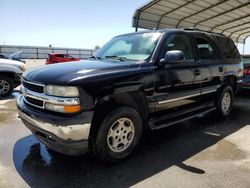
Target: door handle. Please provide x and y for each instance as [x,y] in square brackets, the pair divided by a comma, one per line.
[221,69]
[197,72]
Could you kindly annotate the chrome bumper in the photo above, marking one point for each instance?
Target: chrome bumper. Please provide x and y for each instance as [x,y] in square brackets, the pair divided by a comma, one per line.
[72,132]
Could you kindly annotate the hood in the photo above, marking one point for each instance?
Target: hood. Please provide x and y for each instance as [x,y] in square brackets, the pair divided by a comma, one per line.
[72,72]
[10,62]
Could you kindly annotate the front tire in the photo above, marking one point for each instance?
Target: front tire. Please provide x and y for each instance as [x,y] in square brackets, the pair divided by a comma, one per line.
[6,86]
[118,135]
[225,101]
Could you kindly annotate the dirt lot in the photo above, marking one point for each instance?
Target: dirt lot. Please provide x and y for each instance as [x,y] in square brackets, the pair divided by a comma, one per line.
[34,63]
[203,152]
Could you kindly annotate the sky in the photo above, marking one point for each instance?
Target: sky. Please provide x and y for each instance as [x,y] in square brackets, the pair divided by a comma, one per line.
[65,23]
[68,23]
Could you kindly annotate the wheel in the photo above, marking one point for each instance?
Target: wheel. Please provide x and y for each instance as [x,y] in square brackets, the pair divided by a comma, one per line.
[225,101]
[118,135]
[6,86]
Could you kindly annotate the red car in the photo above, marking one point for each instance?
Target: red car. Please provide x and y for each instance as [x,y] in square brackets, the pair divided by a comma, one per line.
[59,58]
[246,76]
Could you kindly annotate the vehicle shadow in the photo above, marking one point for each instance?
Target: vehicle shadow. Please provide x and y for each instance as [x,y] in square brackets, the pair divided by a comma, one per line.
[158,151]
[13,95]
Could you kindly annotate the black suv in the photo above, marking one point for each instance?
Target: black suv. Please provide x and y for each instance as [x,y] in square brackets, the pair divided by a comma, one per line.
[143,80]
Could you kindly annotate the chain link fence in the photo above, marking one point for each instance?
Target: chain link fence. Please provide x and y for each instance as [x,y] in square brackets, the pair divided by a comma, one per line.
[38,52]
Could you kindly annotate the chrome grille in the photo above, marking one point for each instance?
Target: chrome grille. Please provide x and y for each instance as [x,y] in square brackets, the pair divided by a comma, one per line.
[34,96]
[33,86]
[35,102]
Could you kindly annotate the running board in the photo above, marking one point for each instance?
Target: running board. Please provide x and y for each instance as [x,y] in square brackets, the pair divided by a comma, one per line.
[178,117]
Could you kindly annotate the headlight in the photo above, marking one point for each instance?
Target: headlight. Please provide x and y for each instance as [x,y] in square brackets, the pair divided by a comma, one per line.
[22,67]
[62,91]
[62,109]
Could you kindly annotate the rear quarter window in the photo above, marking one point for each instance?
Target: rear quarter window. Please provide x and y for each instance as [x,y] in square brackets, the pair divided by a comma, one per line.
[228,47]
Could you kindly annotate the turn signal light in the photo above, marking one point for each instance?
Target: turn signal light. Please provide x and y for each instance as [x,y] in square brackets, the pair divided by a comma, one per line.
[72,109]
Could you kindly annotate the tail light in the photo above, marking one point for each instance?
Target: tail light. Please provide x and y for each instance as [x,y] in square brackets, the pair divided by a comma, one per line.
[246,72]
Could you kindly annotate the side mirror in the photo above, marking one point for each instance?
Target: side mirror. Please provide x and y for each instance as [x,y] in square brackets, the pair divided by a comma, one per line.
[173,57]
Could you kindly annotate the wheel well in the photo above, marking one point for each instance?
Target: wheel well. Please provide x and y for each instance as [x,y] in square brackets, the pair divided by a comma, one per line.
[232,81]
[106,104]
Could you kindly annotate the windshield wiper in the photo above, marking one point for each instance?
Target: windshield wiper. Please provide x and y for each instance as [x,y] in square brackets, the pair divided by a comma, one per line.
[116,57]
[95,57]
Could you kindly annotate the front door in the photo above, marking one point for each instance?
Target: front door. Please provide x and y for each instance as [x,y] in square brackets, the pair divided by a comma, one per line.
[177,85]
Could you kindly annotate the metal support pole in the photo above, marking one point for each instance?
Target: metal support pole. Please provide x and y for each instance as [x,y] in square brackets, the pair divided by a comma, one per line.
[243,48]
[37,53]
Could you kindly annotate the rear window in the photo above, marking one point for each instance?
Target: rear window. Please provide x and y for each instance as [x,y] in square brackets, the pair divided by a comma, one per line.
[60,55]
[228,47]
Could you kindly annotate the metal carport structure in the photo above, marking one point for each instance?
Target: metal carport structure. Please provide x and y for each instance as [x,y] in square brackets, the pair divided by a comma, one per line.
[230,17]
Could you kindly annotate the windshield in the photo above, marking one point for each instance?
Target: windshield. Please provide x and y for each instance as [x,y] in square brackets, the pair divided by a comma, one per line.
[15,54]
[133,47]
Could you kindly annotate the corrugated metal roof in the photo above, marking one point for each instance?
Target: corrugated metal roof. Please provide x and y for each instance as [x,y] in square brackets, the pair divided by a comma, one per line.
[230,17]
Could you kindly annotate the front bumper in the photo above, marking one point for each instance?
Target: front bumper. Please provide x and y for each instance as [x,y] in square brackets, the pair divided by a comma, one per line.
[65,134]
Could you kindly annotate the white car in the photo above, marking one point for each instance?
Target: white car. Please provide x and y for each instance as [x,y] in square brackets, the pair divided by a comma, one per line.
[13,56]
[10,75]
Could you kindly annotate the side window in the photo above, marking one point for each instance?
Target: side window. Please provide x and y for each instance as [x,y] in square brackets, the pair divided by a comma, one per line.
[179,42]
[228,47]
[60,55]
[205,49]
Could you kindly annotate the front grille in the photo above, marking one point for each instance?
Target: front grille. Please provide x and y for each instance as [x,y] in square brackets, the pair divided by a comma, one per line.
[35,102]
[33,87]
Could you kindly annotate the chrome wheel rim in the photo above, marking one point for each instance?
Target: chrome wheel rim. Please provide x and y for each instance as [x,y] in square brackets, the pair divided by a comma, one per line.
[4,87]
[226,102]
[120,135]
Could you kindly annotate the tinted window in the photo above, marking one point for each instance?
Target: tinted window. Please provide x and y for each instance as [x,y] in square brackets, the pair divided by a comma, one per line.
[3,56]
[179,42]
[205,49]
[60,55]
[228,47]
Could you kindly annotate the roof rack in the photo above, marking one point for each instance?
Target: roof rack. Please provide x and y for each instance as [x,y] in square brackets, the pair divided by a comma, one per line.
[196,29]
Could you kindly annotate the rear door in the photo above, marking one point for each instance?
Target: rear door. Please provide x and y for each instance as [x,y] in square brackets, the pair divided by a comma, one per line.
[231,57]
[211,66]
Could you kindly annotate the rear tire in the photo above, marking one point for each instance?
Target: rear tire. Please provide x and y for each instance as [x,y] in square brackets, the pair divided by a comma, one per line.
[225,101]
[6,86]
[118,135]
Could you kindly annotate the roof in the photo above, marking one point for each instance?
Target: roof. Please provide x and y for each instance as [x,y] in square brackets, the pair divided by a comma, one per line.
[230,17]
